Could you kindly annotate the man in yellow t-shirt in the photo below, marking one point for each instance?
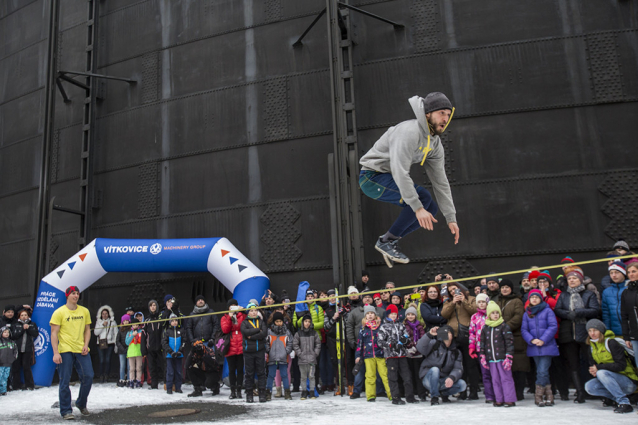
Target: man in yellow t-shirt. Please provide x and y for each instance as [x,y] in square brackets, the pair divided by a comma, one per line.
[70,336]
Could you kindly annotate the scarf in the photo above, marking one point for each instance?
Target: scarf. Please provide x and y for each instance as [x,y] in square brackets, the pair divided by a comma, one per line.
[533,310]
[414,326]
[200,310]
[481,312]
[433,302]
[576,301]
[372,324]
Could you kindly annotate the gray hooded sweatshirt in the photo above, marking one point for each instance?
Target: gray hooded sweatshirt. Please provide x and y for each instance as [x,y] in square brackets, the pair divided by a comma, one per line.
[403,145]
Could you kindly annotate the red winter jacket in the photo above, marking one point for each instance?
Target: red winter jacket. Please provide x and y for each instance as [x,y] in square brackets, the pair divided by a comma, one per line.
[236,338]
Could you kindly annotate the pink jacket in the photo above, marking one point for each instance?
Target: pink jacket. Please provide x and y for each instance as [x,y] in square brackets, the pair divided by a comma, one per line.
[476,324]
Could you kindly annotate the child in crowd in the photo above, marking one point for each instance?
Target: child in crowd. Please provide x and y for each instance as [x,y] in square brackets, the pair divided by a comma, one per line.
[538,329]
[477,321]
[121,349]
[231,324]
[393,339]
[24,332]
[254,332]
[415,331]
[307,346]
[8,354]
[134,354]
[497,354]
[278,347]
[369,352]
[173,345]
[288,324]
[376,298]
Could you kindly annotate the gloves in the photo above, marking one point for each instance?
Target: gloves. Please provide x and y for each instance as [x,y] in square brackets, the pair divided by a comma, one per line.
[473,353]
[484,362]
[175,354]
[571,315]
[292,354]
[211,343]
[507,363]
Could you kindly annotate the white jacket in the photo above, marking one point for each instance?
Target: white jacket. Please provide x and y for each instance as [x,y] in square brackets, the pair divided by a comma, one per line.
[108,332]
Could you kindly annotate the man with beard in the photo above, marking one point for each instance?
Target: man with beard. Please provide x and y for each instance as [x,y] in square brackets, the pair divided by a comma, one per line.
[385,173]
[201,329]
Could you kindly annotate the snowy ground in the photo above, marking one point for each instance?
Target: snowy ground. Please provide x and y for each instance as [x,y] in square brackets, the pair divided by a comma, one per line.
[24,407]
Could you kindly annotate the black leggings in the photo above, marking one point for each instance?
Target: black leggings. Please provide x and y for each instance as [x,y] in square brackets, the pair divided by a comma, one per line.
[23,362]
[235,369]
[572,352]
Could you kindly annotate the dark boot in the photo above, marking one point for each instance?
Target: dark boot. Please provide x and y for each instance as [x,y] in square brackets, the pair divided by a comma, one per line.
[197,392]
[233,393]
[539,396]
[268,396]
[287,395]
[304,395]
[238,391]
[580,398]
[249,397]
[463,395]
[262,395]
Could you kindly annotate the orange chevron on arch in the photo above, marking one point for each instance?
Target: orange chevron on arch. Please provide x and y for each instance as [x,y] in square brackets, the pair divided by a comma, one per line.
[224,252]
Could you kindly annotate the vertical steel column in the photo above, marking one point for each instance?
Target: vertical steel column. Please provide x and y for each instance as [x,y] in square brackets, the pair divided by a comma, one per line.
[49,124]
[347,202]
[88,117]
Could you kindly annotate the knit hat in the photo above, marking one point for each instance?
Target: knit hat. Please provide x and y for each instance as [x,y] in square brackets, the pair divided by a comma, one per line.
[534,274]
[71,289]
[167,298]
[310,292]
[352,290]
[305,317]
[199,297]
[376,296]
[396,294]
[525,275]
[482,297]
[566,260]
[253,301]
[231,302]
[172,316]
[392,309]
[251,304]
[369,309]
[545,275]
[277,315]
[436,101]
[331,292]
[578,272]
[365,273]
[619,266]
[596,324]
[130,308]
[536,293]
[5,328]
[125,317]
[491,279]
[9,307]
[621,244]
[411,310]
[492,307]
[507,282]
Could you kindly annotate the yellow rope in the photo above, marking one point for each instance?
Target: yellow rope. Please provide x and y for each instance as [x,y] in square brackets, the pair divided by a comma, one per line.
[463,279]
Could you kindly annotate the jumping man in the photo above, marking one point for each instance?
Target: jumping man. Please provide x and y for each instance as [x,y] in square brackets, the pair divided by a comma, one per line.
[385,173]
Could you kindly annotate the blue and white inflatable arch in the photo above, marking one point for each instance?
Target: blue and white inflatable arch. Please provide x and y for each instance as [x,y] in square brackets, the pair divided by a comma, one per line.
[215,255]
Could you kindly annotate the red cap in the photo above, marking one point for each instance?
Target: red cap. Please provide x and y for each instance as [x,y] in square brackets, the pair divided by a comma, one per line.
[534,274]
[71,289]
[375,296]
[392,309]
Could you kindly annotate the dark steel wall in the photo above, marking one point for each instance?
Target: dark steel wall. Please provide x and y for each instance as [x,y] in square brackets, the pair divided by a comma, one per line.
[228,130]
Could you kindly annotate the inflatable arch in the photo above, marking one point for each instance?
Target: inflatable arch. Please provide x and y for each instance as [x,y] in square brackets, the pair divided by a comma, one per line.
[215,255]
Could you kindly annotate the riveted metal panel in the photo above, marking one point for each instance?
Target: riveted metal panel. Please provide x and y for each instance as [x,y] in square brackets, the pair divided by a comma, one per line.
[276,112]
[455,268]
[280,235]
[150,77]
[20,118]
[621,207]
[606,15]
[604,67]
[73,13]
[426,19]
[72,54]
[68,152]
[310,104]
[141,294]
[22,27]
[17,278]
[17,72]
[17,213]
[19,166]
[273,10]
[149,190]
[627,46]
[119,196]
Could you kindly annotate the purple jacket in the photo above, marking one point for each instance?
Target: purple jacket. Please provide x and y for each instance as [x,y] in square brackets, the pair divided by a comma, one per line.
[543,326]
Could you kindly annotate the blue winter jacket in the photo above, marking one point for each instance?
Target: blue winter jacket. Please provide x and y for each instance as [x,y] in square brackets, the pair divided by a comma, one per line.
[611,306]
[432,315]
[172,341]
[542,326]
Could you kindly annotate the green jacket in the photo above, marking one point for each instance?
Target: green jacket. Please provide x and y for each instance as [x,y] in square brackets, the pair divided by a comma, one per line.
[317,314]
[609,355]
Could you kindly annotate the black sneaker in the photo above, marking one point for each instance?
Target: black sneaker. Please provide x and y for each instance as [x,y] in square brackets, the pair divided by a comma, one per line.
[473,395]
[434,401]
[445,399]
[354,396]
[398,401]
[609,402]
[624,408]
[411,400]
[392,251]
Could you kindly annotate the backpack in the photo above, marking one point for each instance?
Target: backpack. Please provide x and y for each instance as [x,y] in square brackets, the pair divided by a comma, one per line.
[629,352]
[222,345]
